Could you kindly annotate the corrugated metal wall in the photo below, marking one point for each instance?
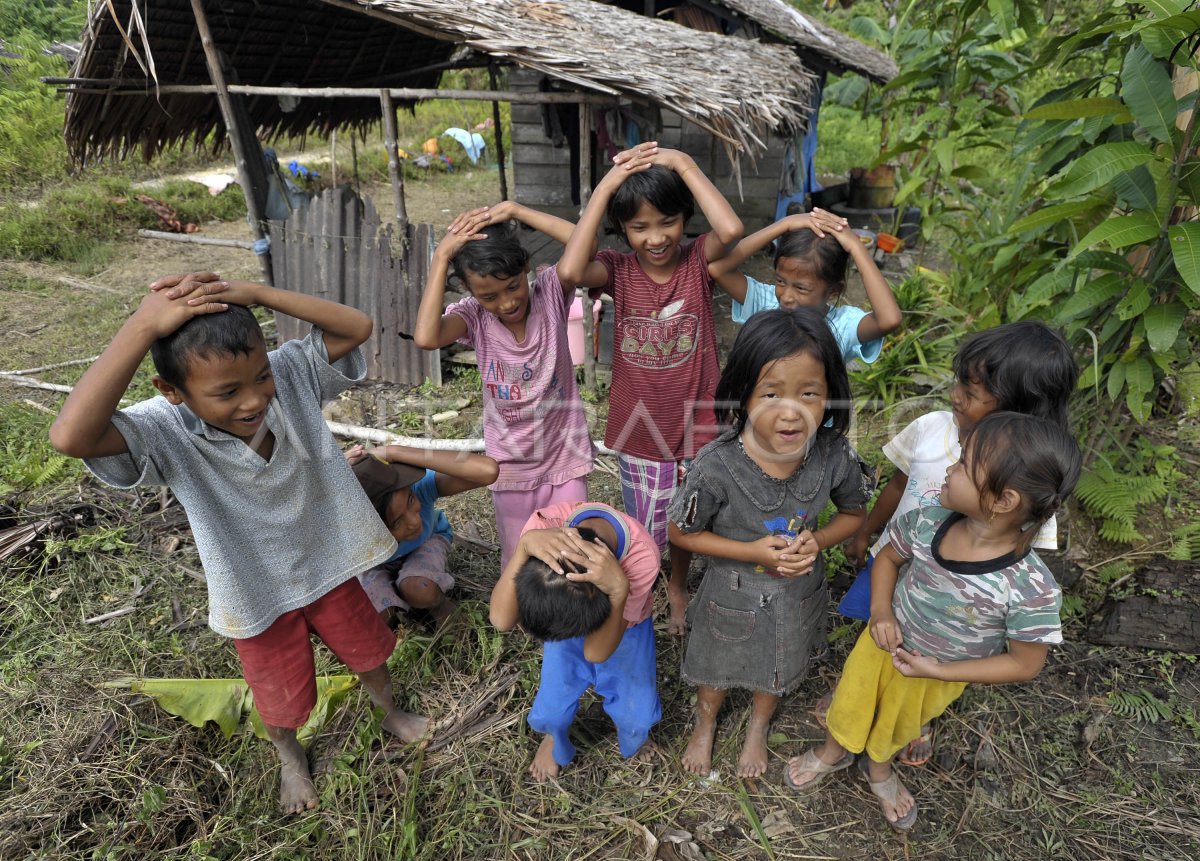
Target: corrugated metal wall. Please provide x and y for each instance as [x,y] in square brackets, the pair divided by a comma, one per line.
[338,249]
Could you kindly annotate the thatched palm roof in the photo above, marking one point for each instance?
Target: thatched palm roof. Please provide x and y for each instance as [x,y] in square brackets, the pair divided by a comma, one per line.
[838,50]
[737,89]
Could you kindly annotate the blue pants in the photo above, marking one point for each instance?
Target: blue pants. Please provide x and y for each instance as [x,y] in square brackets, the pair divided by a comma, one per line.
[856,603]
[627,681]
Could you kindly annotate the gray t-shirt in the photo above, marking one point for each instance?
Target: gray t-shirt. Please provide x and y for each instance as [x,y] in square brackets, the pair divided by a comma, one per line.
[274,535]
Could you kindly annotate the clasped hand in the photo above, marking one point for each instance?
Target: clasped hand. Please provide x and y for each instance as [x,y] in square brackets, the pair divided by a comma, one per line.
[786,557]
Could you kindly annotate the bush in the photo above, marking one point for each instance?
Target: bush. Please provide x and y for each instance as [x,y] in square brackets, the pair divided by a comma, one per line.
[32,149]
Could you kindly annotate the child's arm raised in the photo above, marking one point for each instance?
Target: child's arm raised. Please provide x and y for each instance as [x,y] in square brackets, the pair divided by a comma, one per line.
[558,229]
[84,425]
[727,228]
[578,265]
[725,270]
[434,329]
[604,572]
[551,546]
[457,471]
[885,311]
[1022,662]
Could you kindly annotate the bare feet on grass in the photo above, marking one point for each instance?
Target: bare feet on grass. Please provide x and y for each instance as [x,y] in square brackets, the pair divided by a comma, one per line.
[753,759]
[544,767]
[296,790]
[697,756]
[677,599]
[406,726]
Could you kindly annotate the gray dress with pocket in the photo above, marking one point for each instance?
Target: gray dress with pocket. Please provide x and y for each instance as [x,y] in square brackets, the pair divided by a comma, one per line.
[748,627]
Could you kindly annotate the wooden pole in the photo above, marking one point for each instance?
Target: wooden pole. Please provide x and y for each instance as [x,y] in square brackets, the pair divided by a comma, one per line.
[395,169]
[520,97]
[498,132]
[217,76]
[585,193]
[333,158]
[196,240]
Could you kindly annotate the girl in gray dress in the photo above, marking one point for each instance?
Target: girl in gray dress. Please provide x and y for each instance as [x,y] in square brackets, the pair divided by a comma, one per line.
[750,503]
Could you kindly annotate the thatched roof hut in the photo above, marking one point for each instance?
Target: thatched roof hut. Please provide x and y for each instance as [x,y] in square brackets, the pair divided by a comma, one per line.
[737,90]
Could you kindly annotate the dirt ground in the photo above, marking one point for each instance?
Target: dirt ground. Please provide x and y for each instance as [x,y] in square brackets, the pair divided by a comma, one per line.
[1062,767]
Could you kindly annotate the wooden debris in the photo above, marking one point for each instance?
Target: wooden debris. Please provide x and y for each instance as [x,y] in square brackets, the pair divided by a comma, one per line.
[1164,614]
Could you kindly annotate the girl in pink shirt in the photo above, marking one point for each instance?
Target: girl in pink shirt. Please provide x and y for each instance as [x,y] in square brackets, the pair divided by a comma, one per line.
[533,421]
[665,366]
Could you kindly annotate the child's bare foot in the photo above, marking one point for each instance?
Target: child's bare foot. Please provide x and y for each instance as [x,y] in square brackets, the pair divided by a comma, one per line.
[697,756]
[753,760]
[646,752]
[543,766]
[296,791]
[406,726]
[677,620]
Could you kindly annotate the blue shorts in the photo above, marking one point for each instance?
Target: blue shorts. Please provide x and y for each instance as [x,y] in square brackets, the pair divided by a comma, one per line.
[628,682]
[856,603]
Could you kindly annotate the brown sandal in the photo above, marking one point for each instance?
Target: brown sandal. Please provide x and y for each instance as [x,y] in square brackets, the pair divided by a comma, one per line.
[889,790]
[810,762]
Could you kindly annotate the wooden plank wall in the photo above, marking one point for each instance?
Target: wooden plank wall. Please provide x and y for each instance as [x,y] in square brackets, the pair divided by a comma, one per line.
[338,249]
[542,179]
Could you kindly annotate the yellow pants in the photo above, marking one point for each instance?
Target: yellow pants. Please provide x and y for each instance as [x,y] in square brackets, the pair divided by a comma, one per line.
[877,709]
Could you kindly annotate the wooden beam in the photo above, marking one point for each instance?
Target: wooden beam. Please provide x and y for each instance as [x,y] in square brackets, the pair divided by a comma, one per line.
[498,131]
[121,88]
[585,193]
[395,169]
[217,76]
[196,240]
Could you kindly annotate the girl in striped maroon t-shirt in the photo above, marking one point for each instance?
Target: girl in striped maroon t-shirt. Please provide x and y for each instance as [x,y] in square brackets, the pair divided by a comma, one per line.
[665,365]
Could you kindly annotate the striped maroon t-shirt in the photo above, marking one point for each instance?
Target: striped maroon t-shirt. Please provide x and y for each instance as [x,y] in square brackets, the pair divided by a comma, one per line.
[664,367]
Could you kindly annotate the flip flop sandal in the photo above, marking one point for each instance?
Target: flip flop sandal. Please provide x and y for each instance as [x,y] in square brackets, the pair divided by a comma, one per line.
[821,709]
[919,750]
[810,762]
[889,791]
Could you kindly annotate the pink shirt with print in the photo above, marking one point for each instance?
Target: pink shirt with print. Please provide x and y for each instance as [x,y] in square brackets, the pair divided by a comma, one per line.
[533,420]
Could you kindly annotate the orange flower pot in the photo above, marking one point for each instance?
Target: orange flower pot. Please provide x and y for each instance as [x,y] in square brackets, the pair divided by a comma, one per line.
[888,243]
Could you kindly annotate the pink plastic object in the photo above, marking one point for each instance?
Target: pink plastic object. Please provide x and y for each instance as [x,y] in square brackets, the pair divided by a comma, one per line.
[575,339]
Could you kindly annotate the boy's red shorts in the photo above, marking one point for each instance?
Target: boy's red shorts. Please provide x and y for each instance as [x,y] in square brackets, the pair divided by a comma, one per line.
[278,663]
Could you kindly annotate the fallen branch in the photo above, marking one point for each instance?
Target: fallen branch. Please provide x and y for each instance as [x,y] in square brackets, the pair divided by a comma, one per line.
[383,437]
[196,240]
[104,617]
[31,383]
[39,368]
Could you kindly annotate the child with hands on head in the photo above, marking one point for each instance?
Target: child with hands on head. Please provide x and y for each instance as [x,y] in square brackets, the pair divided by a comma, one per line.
[975,604]
[665,365]
[534,424]
[750,503]
[404,484]
[279,520]
[811,255]
[582,581]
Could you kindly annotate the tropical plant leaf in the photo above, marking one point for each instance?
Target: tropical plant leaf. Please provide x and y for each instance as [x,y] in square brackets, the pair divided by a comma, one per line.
[1090,296]
[1050,215]
[1135,302]
[1120,232]
[1146,89]
[1137,189]
[197,701]
[1162,325]
[1078,108]
[1139,382]
[1098,166]
[1185,251]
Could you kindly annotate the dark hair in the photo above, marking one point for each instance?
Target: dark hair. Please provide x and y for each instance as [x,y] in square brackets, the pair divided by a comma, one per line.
[772,335]
[229,333]
[551,607]
[500,255]
[1034,456]
[1027,367]
[825,255]
[659,186]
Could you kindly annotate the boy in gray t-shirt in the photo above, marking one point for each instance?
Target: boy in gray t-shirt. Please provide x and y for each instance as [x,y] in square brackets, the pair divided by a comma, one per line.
[281,524]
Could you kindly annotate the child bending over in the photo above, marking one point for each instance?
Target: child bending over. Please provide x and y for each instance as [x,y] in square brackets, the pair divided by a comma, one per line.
[280,522]
[582,580]
[975,604]
[404,484]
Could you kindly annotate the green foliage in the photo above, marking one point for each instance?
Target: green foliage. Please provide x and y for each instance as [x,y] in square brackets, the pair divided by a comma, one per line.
[1115,496]
[194,203]
[48,20]
[27,461]
[1185,542]
[31,115]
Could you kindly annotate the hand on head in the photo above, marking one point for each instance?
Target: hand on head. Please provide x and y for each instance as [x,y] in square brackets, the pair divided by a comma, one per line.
[556,546]
[822,223]
[601,569]
[175,299]
[464,229]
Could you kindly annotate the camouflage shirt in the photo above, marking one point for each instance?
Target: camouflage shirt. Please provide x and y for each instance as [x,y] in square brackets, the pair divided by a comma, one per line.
[955,610]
